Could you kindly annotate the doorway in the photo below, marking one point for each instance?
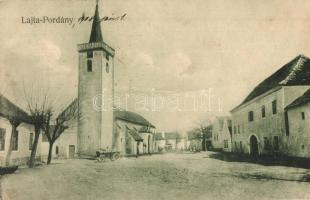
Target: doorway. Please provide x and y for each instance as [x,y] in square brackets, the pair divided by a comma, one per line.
[253,146]
[71,151]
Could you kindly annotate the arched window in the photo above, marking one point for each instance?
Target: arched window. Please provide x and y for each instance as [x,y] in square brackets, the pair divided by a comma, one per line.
[89,66]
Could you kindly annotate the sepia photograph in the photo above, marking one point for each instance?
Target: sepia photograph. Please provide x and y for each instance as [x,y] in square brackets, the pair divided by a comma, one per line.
[155,100]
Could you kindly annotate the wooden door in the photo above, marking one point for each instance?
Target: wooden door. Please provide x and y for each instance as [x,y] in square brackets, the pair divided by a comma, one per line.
[71,151]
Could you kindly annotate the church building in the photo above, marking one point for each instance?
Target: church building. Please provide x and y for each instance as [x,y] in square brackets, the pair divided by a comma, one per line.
[100,125]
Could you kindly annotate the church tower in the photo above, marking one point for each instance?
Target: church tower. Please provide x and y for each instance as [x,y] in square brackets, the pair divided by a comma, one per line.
[95,92]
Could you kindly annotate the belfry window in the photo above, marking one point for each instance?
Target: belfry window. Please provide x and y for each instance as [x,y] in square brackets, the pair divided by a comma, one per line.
[107,67]
[89,66]
[89,54]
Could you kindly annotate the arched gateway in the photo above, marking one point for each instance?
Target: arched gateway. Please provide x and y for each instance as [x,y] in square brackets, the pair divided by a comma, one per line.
[253,146]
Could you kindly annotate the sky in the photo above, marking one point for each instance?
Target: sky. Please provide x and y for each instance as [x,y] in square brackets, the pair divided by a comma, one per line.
[168,48]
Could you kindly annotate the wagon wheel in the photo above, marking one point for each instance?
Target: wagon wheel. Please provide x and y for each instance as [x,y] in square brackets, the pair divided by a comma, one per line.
[115,156]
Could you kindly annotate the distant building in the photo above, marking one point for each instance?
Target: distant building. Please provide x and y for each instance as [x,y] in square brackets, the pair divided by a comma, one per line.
[160,142]
[22,137]
[134,135]
[261,122]
[173,141]
[194,140]
[221,133]
[298,115]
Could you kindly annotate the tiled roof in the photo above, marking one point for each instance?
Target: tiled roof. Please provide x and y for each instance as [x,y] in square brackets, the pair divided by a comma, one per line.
[135,135]
[145,129]
[296,72]
[159,136]
[132,117]
[172,135]
[10,110]
[305,98]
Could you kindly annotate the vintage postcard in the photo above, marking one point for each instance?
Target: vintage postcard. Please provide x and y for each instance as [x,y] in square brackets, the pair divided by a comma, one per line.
[154,99]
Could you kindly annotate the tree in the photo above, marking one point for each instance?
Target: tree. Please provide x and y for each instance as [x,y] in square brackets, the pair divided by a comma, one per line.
[39,106]
[62,122]
[203,125]
[38,117]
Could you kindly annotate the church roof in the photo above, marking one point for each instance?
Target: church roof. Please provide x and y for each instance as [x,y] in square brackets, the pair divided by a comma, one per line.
[131,117]
[96,35]
[9,110]
[296,72]
[135,135]
[303,99]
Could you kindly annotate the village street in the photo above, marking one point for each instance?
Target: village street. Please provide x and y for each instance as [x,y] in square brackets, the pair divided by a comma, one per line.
[168,176]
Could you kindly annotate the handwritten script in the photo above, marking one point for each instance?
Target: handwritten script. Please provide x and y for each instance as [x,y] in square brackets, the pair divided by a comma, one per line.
[84,18]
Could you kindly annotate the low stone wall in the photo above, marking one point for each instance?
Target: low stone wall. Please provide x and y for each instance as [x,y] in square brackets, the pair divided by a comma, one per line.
[23,160]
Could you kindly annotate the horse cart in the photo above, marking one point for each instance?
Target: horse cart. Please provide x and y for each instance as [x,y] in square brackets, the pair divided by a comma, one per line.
[103,155]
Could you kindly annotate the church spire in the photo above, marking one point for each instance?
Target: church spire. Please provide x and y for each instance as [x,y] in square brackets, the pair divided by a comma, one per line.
[95,35]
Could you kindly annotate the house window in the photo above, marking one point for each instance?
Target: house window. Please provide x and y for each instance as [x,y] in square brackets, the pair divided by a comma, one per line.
[30,141]
[274,107]
[15,141]
[287,127]
[276,143]
[2,139]
[266,143]
[239,129]
[303,115]
[89,54]
[107,67]
[89,66]
[263,111]
[235,130]
[251,116]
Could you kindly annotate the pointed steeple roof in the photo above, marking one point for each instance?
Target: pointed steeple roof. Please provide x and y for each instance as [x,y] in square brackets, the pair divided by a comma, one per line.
[95,35]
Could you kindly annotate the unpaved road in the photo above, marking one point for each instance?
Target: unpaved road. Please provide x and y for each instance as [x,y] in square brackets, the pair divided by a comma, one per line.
[169,176]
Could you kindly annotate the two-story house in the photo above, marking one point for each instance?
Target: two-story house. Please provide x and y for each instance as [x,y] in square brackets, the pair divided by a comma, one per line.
[221,138]
[260,123]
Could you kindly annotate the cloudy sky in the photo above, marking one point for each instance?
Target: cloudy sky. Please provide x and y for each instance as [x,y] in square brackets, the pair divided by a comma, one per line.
[166,46]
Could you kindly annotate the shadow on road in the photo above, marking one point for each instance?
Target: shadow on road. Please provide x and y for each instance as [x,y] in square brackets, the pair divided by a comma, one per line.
[267,161]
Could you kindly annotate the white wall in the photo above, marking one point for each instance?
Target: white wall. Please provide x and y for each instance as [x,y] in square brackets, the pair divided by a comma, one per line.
[270,126]
[299,136]
[21,156]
